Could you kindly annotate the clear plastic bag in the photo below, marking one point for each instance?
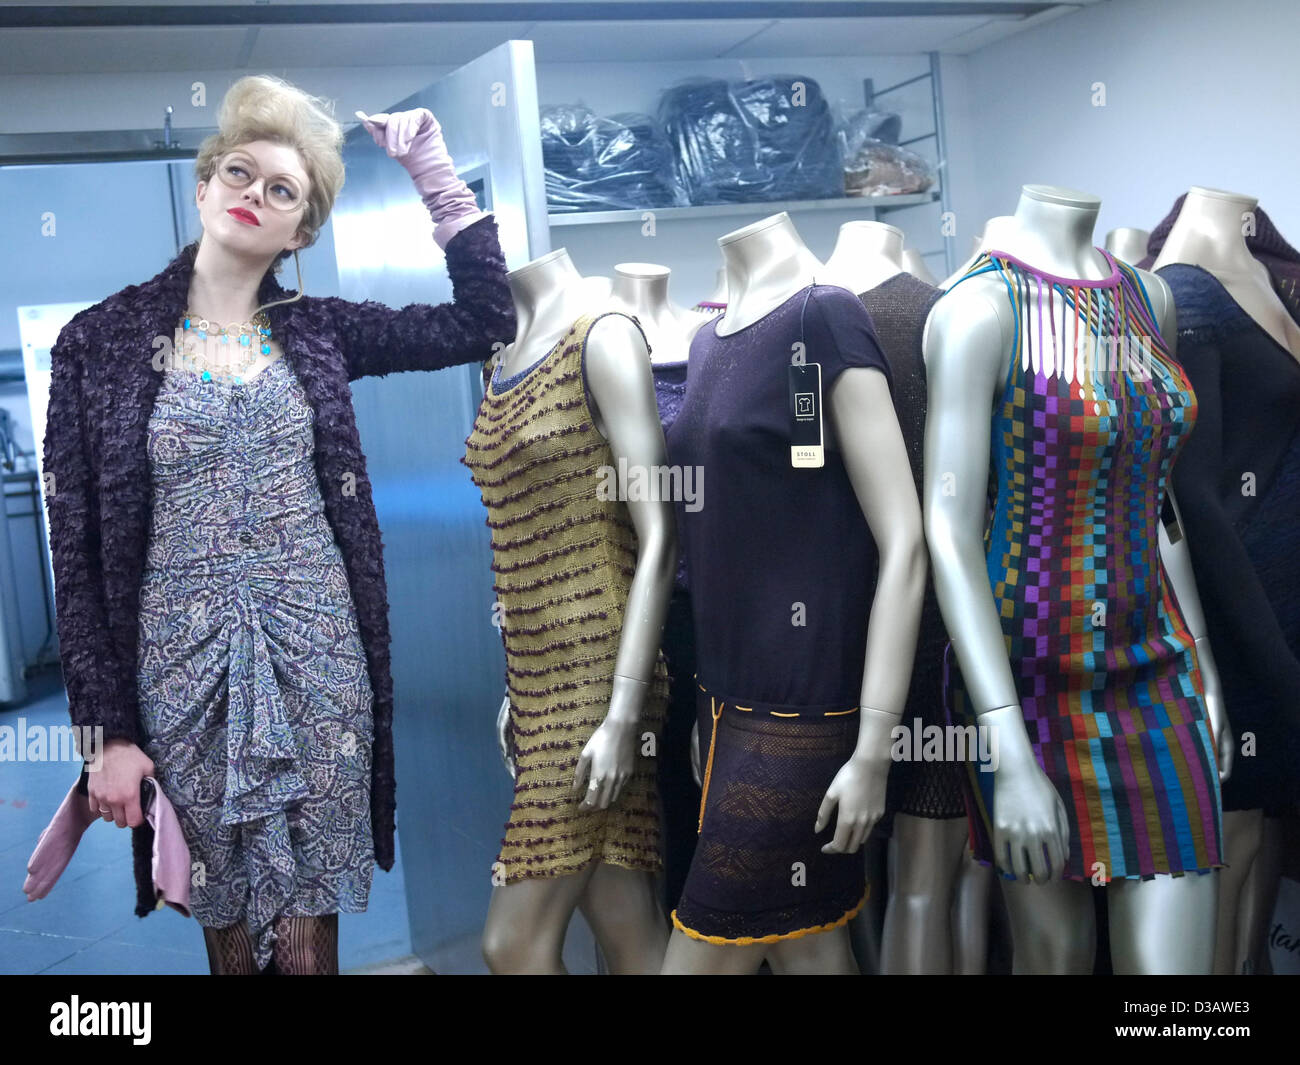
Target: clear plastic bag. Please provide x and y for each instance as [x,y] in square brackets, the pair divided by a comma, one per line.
[874,164]
[595,163]
[749,141]
[861,126]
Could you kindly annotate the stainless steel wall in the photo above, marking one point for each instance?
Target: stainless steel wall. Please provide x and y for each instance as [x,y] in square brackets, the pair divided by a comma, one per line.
[453,794]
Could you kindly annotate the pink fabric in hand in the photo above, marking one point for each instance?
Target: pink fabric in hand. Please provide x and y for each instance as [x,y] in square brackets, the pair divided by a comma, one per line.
[58,842]
[414,139]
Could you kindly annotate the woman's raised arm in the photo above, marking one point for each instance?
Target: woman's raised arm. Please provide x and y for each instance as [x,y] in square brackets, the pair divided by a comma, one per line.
[378,339]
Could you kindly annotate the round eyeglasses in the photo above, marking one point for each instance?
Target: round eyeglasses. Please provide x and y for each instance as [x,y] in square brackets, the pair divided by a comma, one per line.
[281,192]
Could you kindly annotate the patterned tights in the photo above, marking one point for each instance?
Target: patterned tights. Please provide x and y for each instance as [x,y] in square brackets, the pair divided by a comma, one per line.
[307,946]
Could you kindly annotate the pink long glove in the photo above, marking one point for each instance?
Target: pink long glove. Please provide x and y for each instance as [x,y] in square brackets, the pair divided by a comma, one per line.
[414,139]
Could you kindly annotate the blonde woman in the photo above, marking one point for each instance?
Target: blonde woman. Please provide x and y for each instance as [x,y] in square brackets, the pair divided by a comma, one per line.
[219,574]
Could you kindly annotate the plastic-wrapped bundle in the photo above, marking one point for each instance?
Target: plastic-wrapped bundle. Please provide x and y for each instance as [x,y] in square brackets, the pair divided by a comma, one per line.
[604,164]
[874,165]
[749,141]
[870,124]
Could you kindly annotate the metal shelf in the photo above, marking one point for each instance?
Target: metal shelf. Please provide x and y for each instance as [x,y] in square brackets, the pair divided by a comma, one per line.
[711,210]
[871,205]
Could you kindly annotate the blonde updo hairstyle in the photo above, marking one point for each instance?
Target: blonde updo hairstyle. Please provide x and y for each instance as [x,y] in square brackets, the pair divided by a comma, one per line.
[264,107]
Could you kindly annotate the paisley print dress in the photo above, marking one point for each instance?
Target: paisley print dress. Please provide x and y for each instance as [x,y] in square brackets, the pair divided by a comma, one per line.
[253,687]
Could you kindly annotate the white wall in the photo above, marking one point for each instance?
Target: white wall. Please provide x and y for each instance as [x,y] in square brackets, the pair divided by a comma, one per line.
[1200,92]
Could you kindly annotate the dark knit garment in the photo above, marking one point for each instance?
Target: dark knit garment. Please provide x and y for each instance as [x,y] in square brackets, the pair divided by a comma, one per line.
[898,308]
[670,391]
[678,791]
[102,391]
[1266,244]
[1237,482]
[780,562]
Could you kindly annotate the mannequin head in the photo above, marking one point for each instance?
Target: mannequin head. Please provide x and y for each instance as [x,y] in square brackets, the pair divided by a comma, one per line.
[276,154]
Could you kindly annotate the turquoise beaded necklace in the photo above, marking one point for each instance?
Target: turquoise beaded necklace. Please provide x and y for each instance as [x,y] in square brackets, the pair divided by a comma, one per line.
[259,325]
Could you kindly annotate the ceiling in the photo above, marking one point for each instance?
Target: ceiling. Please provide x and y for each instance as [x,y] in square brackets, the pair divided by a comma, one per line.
[117,36]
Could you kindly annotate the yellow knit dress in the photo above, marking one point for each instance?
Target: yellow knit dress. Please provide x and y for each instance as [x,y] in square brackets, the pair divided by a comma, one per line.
[563,559]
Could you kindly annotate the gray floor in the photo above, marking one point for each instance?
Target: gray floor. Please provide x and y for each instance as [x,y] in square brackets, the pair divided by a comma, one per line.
[86,923]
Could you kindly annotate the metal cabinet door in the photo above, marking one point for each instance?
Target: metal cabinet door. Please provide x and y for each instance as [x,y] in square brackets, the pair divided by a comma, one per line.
[453,793]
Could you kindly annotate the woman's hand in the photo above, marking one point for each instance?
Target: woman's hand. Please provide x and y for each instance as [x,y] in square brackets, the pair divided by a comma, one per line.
[405,135]
[414,139]
[114,789]
[606,763]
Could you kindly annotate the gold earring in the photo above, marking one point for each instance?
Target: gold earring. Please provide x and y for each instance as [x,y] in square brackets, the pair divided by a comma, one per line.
[297,295]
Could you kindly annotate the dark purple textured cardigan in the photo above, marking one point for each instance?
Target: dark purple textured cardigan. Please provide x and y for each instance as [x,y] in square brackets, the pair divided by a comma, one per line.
[102,393]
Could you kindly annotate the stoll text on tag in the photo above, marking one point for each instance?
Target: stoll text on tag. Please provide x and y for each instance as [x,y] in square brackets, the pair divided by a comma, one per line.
[806,444]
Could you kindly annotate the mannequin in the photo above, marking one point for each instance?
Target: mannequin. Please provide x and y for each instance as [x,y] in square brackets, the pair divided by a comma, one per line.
[969,343]
[641,290]
[528,913]
[866,253]
[1252,430]
[767,266]
[997,233]
[1127,243]
[551,288]
[1208,234]
[716,301]
[914,264]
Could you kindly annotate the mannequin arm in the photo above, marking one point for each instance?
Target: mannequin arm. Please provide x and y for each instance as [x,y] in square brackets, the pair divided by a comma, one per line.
[617,362]
[1176,560]
[875,458]
[377,339]
[965,339]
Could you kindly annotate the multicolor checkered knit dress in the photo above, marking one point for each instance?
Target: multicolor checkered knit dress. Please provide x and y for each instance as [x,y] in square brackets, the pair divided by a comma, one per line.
[564,553]
[1090,422]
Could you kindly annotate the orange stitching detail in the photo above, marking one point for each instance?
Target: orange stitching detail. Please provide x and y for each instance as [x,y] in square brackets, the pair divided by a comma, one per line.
[749,941]
[716,711]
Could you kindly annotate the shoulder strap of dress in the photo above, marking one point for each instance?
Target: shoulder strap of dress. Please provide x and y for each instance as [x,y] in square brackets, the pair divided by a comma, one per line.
[582,327]
[1017,285]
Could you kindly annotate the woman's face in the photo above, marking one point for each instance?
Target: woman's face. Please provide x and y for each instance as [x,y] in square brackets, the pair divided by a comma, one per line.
[255,202]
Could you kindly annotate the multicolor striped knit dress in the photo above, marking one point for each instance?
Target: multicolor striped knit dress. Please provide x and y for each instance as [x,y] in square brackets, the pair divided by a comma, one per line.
[1082,446]
[564,555]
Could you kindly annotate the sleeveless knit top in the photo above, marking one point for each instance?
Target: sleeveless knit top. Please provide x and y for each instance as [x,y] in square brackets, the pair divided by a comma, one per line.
[564,553]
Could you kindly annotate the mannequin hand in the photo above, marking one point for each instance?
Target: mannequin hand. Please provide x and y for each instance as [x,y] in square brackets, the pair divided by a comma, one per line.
[695,755]
[606,764]
[116,785]
[504,743]
[1029,817]
[859,791]
[1221,729]
[414,139]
